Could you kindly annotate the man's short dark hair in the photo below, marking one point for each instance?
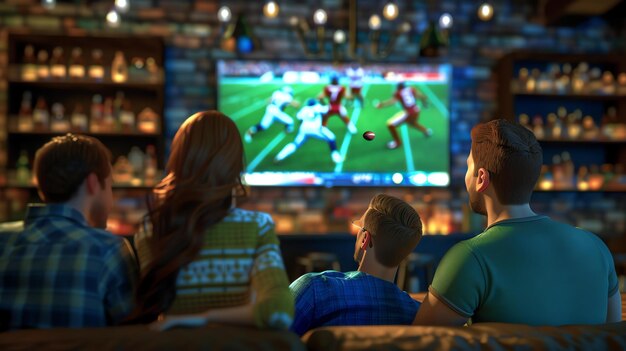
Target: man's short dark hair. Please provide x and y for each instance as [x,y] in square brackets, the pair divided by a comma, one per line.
[62,164]
[395,226]
[513,157]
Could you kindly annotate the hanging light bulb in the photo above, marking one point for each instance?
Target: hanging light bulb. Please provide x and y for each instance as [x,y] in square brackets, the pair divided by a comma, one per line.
[374,22]
[271,9]
[48,4]
[121,5]
[390,11]
[224,14]
[405,27]
[320,17]
[113,19]
[339,36]
[485,11]
[445,21]
[293,20]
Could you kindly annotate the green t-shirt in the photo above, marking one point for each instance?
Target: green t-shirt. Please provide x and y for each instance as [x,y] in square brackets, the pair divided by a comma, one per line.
[529,270]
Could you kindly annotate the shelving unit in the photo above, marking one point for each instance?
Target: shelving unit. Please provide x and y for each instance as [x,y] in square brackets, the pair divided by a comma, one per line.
[141,87]
[567,84]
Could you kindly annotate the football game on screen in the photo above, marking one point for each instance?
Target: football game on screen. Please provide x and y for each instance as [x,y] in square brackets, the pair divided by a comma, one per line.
[314,123]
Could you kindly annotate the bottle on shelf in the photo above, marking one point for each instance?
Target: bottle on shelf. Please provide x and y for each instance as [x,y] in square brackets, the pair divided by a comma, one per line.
[150,166]
[25,117]
[119,68]
[568,170]
[524,120]
[79,119]
[545,182]
[148,121]
[58,68]
[43,69]
[556,126]
[621,84]
[96,114]
[558,173]
[137,70]
[127,117]
[108,119]
[137,160]
[59,122]
[608,83]
[122,171]
[589,129]
[41,116]
[153,70]
[117,104]
[582,180]
[538,127]
[596,180]
[22,169]
[96,67]
[77,64]
[29,64]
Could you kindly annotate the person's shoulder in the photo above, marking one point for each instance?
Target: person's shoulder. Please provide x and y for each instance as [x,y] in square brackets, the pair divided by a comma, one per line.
[102,237]
[249,216]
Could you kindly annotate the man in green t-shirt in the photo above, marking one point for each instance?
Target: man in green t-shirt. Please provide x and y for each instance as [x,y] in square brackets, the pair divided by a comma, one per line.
[524,268]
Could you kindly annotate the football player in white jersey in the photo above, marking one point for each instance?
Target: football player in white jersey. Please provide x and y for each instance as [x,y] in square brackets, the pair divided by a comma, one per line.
[311,126]
[407,97]
[275,111]
[356,74]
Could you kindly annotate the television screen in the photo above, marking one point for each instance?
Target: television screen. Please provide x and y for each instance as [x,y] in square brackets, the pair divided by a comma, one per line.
[328,124]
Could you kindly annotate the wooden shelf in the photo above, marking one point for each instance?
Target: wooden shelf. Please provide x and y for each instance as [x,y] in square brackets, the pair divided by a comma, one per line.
[88,85]
[596,97]
[613,190]
[14,185]
[39,134]
[582,141]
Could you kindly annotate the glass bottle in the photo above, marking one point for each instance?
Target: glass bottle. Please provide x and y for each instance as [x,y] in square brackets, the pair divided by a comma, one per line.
[108,120]
[127,118]
[568,170]
[96,68]
[58,69]
[79,119]
[147,121]
[22,169]
[59,122]
[41,116]
[29,64]
[119,68]
[96,112]
[150,166]
[43,70]
[77,64]
[25,117]
[153,70]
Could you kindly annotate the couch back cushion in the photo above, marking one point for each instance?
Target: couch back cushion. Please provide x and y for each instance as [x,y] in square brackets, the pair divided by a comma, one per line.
[486,336]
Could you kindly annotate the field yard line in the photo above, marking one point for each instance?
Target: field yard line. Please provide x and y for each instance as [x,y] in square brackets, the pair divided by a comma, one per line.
[406,142]
[262,102]
[266,150]
[346,140]
[434,99]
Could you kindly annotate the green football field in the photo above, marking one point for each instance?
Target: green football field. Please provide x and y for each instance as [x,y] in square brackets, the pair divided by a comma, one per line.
[246,107]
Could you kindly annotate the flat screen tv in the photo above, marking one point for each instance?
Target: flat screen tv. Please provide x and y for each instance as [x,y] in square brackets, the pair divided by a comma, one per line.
[328,124]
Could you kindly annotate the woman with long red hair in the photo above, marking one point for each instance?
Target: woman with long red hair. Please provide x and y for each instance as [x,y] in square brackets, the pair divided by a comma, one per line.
[202,259]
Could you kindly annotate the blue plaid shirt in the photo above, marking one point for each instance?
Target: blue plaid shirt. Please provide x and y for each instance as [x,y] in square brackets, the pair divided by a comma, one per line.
[352,298]
[57,271]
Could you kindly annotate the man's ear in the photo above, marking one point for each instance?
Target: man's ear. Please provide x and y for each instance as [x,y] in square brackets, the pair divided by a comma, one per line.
[482,180]
[365,243]
[92,183]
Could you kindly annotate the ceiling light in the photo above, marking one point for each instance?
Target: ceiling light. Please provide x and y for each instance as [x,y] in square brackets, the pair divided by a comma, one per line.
[121,5]
[48,4]
[113,19]
[339,36]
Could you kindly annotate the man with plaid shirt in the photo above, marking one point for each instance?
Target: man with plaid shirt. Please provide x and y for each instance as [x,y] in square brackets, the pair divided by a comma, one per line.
[389,231]
[58,269]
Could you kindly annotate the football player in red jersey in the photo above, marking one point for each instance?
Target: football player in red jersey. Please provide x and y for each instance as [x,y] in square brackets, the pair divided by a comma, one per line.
[407,97]
[335,94]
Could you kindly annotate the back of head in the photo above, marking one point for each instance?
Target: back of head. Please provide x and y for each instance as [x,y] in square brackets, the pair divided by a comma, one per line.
[334,80]
[63,164]
[204,167]
[512,156]
[401,85]
[395,227]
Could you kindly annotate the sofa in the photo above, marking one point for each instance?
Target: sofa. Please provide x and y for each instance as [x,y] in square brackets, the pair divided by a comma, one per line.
[483,336]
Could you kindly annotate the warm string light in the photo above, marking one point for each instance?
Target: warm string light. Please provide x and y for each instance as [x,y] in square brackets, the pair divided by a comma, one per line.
[390,11]
[271,9]
[320,17]
[339,36]
[445,21]
[113,18]
[122,5]
[224,14]
[374,22]
[48,4]
[485,12]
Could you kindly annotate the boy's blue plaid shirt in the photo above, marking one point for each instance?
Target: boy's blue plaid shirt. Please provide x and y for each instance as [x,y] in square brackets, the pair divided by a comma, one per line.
[60,272]
[352,298]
